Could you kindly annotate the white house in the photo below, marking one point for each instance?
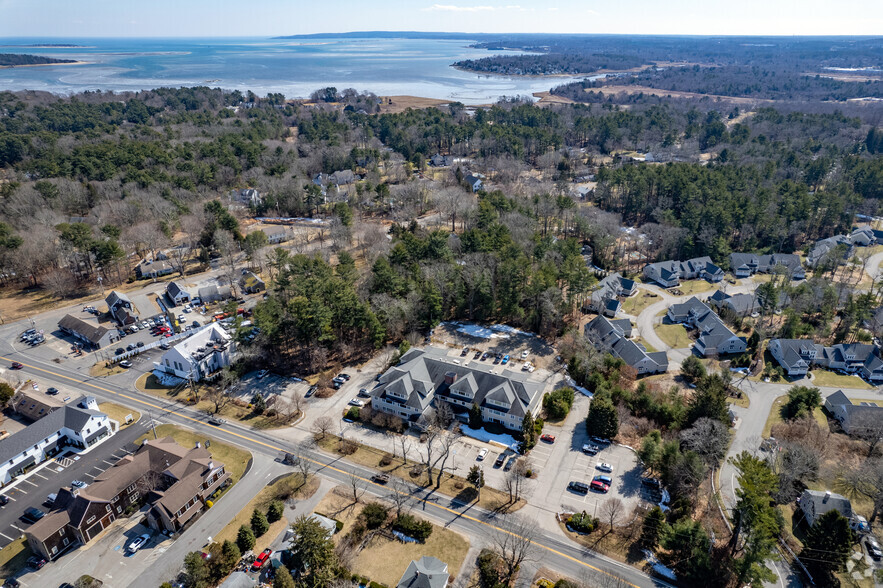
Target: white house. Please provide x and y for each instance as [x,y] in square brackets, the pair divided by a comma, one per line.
[177,294]
[78,424]
[199,356]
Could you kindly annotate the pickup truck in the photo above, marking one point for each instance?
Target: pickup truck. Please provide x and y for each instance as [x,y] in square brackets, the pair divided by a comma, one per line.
[380,478]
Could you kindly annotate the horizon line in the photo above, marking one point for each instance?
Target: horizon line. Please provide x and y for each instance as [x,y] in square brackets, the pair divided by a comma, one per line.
[464,34]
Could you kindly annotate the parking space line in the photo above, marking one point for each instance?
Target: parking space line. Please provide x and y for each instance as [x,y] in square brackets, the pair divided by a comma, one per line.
[16,528]
[40,476]
[19,490]
[6,536]
[31,483]
[11,498]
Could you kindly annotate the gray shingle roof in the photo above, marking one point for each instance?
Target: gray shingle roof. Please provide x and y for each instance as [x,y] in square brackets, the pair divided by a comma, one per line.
[85,329]
[70,416]
[426,572]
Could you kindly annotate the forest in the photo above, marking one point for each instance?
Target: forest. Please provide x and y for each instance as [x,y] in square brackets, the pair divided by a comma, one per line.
[13,59]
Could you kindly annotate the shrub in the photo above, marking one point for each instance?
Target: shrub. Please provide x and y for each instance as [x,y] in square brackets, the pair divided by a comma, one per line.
[488,569]
[275,511]
[353,413]
[375,515]
[557,404]
[413,527]
[582,522]
[385,460]
[376,585]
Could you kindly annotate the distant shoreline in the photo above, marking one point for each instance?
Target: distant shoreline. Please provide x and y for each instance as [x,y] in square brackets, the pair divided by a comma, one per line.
[48,46]
[44,64]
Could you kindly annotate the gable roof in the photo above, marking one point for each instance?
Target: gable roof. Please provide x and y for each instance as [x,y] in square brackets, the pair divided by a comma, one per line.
[115,297]
[33,405]
[426,572]
[93,333]
[174,289]
[815,503]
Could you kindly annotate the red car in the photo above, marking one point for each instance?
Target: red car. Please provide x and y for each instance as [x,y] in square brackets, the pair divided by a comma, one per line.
[16,365]
[599,486]
[261,559]
[548,438]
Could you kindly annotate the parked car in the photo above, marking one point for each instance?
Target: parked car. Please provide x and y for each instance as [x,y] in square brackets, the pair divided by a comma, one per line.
[363,392]
[500,459]
[16,365]
[119,351]
[524,354]
[32,515]
[380,478]
[600,441]
[50,500]
[126,364]
[336,384]
[35,563]
[510,463]
[344,377]
[13,583]
[482,454]
[484,356]
[165,345]
[52,391]
[873,547]
[591,449]
[196,324]
[262,374]
[310,392]
[139,542]
[356,402]
[139,344]
[599,486]
[505,360]
[79,484]
[477,355]
[261,559]
[547,438]
[216,420]
[4,500]
[605,479]
[651,483]
[604,467]
[464,352]
[578,487]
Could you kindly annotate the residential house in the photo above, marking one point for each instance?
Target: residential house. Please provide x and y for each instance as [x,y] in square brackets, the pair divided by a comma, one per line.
[854,419]
[743,265]
[669,274]
[199,356]
[426,572]
[339,178]
[251,283]
[438,160]
[33,405]
[815,503]
[247,196]
[715,337]
[121,308]
[87,332]
[613,337]
[604,299]
[427,376]
[746,264]
[739,304]
[796,356]
[78,424]
[153,268]
[823,248]
[173,481]
[176,294]
[474,182]
[276,233]
[215,294]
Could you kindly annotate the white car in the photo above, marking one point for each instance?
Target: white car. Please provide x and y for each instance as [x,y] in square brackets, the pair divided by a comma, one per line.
[524,354]
[181,318]
[139,542]
[604,467]
[482,454]
[356,402]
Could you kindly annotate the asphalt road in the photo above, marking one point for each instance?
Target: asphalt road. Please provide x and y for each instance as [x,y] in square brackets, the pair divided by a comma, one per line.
[47,480]
[556,553]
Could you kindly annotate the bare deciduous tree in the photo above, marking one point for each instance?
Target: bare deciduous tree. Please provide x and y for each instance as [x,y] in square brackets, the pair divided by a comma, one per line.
[513,542]
[322,426]
[709,438]
[401,496]
[612,510]
[357,486]
[514,480]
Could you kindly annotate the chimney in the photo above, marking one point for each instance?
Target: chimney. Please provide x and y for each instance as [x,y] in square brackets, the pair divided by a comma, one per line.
[211,465]
[198,445]
[450,378]
[827,496]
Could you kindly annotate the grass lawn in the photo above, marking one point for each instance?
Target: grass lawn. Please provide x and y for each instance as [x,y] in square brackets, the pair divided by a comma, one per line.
[635,304]
[776,416]
[14,556]
[384,560]
[233,458]
[280,489]
[743,402]
[647,346]
[234,411]
[828,379]
[674,336]
[101,369]
[119,413]
[691,287]
[455,486]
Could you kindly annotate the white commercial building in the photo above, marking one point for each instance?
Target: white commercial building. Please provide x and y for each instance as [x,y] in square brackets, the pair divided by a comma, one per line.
[202,355]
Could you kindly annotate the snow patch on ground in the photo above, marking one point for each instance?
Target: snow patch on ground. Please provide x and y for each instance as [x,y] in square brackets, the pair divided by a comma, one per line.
[482,435]
[658,567]
[166,379]
[490,332]
[572,383]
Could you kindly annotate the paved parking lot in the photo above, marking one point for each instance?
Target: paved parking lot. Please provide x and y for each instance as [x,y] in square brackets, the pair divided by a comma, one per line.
[61,472]
[626,479]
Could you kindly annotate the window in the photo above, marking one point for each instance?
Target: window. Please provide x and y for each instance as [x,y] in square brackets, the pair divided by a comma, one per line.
[131,488]
[92,518]
[61,532]
[54,550]
[65,541]
[119,509]
[108,507]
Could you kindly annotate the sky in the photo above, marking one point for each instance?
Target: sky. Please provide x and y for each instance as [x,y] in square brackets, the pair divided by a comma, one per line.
[250,18]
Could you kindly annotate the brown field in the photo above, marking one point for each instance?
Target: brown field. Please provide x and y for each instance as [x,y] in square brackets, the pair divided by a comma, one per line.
[613,89]
[547,98]
[395,104]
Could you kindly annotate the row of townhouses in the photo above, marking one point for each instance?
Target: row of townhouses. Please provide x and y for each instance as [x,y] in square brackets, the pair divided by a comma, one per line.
[604,299]
[669,274]
[613,336]
[715,337]
[796,356]
[860,237]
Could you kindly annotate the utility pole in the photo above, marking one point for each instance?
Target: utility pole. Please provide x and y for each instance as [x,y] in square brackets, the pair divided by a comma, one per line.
[152,424]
